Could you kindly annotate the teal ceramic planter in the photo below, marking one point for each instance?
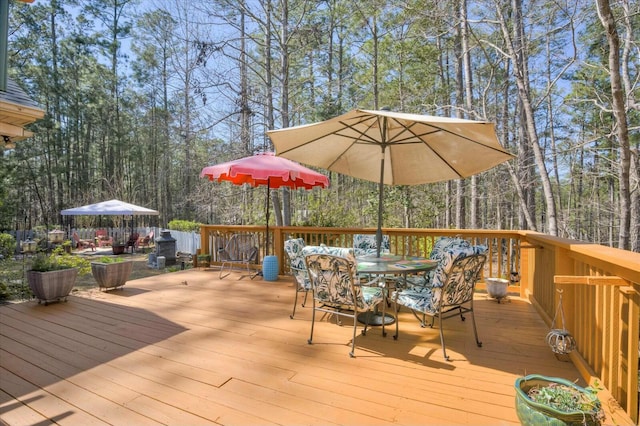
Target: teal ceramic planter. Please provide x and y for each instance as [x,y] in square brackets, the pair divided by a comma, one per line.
[531,413]
[270,268]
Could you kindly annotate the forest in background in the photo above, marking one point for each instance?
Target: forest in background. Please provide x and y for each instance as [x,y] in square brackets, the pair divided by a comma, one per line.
[140,95]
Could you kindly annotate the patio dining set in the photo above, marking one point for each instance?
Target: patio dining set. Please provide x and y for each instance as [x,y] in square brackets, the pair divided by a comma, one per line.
[356,282]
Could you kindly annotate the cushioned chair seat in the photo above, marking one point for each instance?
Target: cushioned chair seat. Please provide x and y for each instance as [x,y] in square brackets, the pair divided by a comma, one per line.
[365,244]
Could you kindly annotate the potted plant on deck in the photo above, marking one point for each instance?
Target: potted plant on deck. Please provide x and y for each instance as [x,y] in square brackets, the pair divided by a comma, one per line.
[52,276]
[555,401]
[204,260]
[118,247]
[111,272]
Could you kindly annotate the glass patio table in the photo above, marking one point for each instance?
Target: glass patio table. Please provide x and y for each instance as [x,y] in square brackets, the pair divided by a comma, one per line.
[390,264]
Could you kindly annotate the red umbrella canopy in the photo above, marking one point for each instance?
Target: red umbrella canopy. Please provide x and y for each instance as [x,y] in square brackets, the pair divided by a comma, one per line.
[265,169]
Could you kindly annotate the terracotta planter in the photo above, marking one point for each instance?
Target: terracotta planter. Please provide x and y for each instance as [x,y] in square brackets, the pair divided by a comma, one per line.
[532,413]
[53,285]
[111,275]
[118,248]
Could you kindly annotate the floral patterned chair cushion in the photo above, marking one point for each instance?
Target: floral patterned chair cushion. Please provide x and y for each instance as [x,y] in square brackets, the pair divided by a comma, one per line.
[364,244]
[293,248]
[366,293]
[446,251]
[334,286]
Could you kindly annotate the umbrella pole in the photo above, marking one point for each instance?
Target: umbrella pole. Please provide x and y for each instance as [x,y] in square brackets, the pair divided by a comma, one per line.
[266,253]
[380,197]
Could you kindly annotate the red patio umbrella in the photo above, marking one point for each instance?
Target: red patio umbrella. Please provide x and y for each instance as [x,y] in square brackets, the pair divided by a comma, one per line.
[265,169]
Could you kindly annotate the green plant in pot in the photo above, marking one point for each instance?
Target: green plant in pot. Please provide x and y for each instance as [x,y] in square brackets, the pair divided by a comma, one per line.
[66,246]
[52,276]
[111,272]
[555,401]
[204,260]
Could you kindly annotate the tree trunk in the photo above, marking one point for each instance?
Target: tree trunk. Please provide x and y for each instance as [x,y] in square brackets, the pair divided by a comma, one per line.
[619,113]
[518,56]
[468,102]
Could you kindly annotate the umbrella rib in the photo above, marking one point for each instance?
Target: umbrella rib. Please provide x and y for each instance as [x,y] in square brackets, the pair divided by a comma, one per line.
[407,140]
[360,139]
[337,133]
[419,136]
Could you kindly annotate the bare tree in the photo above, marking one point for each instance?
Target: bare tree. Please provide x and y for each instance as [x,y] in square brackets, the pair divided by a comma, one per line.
[620,115]
[514,39]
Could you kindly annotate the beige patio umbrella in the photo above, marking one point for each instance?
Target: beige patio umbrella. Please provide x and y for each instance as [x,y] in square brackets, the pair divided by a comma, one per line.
[393,148]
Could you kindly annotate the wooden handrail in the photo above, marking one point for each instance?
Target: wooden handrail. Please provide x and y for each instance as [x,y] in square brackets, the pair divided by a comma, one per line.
[590,280]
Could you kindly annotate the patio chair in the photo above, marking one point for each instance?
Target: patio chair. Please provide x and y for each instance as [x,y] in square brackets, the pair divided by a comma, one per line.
[241,249]
[366,244]
[132,242]
[83,243]
[336,288]
[293,250]
[145,241]
[449,292]
[441,252]
[103,239]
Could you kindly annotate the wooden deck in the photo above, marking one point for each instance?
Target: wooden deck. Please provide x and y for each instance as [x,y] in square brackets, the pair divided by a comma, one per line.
[187,348]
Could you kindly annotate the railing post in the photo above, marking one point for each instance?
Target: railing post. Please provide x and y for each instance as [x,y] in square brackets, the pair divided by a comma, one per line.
[564,265]
[278,247]
[527,266]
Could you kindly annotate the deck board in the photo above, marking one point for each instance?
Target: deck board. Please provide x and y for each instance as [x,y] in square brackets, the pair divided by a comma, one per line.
[188,348]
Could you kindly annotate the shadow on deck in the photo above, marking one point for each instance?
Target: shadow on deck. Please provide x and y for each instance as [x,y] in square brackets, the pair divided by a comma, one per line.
[188,348]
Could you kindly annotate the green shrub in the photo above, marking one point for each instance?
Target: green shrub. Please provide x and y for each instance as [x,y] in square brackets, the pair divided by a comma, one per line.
[110,259]
[7,245]
[58,260]
[184,225]
[5,293]
[11,283]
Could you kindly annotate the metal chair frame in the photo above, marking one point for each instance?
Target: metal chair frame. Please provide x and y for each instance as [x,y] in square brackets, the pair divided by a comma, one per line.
[300,275]
[241,249]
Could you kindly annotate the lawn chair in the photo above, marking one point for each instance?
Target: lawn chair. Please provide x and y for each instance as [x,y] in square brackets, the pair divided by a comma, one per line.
[146,241]
[132,242]
[83,243]
[241,249]
[103,239]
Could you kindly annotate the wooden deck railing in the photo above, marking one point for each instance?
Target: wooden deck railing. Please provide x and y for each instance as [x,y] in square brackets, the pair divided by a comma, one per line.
[600,287]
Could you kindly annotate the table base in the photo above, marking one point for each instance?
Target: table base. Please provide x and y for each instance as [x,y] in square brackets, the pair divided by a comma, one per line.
[376,318]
